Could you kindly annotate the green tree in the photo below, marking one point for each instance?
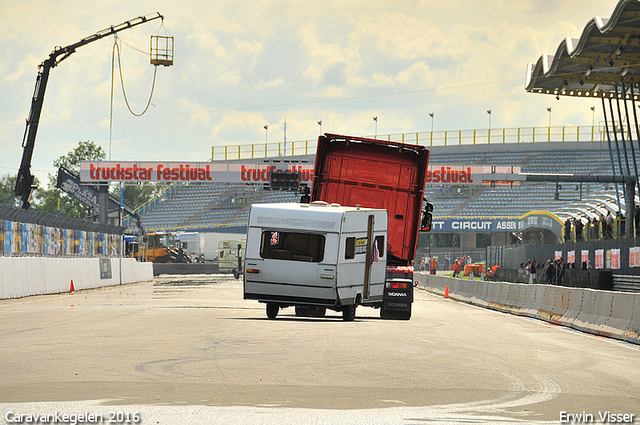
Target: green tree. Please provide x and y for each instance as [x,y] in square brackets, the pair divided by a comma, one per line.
[7,185]
[53,199]
[86,151]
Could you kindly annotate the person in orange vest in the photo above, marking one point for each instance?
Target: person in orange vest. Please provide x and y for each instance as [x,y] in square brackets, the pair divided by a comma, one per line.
[457,268]
[434,264]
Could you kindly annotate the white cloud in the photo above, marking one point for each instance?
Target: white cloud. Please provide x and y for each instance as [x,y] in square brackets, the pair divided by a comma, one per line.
[239,65]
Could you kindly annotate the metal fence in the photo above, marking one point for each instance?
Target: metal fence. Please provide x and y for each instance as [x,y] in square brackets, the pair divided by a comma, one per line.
[591,133]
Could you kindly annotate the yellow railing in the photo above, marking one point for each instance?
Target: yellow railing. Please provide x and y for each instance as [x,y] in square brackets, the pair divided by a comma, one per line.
[437,138]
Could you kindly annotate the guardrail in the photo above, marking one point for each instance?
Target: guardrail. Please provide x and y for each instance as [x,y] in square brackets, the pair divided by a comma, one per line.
[595,133]
[605,313]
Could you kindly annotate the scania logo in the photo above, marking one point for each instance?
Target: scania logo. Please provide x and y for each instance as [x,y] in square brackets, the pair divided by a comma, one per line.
[396,294]
[397,305]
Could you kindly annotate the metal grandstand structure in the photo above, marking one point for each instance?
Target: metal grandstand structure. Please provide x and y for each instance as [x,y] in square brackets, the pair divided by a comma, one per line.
[604,63]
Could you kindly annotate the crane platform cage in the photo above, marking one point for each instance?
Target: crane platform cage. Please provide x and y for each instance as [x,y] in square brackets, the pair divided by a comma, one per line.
[162,50]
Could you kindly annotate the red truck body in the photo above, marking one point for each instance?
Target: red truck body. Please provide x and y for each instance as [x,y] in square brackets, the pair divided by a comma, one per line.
[373,173]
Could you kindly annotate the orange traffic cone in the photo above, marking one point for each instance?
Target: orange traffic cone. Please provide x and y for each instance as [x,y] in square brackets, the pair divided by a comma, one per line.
[71,288]
[446,291]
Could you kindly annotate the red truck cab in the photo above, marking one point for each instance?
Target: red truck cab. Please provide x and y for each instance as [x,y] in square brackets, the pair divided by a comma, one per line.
[371,173]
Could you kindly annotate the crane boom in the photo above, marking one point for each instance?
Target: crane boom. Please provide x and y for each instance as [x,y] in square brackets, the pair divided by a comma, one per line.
[24,181]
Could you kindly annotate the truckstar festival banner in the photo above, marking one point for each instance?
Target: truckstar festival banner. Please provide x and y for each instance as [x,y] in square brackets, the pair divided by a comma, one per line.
[476,175]
[212,172]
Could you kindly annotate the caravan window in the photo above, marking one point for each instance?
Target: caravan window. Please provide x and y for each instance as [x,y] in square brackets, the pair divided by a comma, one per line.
[292,246]
[355,246]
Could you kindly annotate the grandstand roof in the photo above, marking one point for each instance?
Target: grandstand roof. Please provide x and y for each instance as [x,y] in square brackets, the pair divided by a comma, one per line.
[606,55]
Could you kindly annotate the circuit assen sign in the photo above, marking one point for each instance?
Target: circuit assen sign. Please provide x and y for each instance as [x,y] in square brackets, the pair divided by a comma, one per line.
[540,220]
[173,172]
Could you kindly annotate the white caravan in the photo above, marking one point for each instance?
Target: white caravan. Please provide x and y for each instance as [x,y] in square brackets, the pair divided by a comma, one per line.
[315,256]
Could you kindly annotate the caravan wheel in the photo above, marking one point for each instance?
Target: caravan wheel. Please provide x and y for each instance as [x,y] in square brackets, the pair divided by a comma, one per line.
[272,310]
[349,313]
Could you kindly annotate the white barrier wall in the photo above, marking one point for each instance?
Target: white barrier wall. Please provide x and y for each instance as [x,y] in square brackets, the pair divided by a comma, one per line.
[24,276]
[607,313]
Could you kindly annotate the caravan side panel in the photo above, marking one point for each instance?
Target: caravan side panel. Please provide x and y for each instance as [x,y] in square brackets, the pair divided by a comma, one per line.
[290,266]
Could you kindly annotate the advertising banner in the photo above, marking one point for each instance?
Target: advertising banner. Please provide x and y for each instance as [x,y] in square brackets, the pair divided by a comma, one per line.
[615,258]
[634,256]
[172,172]
[476,175]
[585,257]
[599,258]
[260,172]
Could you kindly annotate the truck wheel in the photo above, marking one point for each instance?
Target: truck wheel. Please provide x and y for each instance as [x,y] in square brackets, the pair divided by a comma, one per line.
[236,274]
[349,313]
[272,310]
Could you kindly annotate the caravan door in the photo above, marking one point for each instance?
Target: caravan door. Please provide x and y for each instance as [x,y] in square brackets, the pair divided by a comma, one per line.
[362,260]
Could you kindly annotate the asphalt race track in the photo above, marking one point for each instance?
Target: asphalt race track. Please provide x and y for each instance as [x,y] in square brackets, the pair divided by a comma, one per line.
[190,350]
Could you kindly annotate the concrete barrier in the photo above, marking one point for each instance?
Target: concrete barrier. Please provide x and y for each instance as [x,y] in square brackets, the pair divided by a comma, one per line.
[606,313]
[632,333]
[496,300]
[521,298]
[25,276]
[602,307]
[620,315]
[586,315]
[533,301]
[574,307]
[555,304]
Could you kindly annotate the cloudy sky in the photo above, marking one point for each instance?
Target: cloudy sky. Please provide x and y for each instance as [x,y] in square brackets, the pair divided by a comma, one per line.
[242,64]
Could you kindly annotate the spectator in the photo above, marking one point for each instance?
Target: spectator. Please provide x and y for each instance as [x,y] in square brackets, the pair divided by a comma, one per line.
[434,264]
[463,261]
[531,270]
[457,268]
[621,226]
[447,262]
[603,227]
[578,228]
[567,230]
[609,225]
[595,228]
[550,271]
[561,267]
